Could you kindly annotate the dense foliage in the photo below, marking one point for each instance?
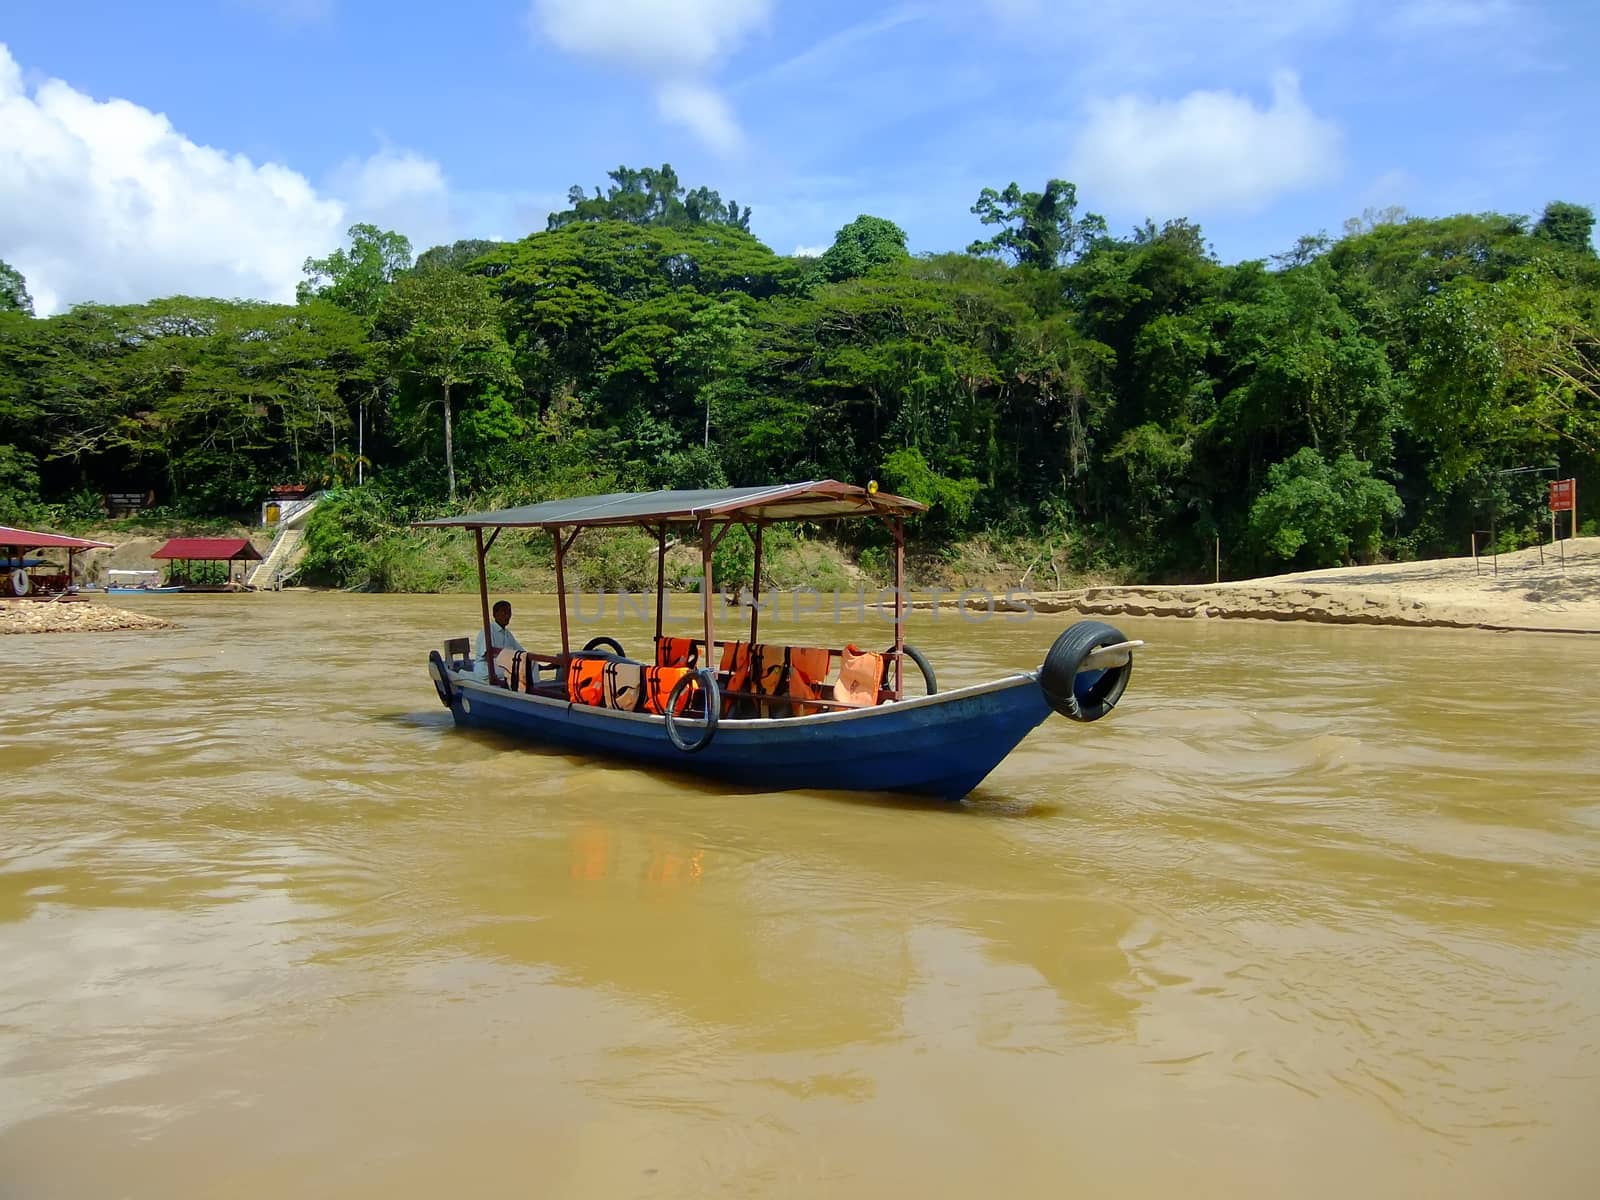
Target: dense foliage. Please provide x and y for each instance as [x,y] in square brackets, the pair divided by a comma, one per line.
[1131,396]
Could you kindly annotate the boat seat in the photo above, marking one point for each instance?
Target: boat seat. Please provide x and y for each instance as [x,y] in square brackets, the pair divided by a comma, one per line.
[458,653]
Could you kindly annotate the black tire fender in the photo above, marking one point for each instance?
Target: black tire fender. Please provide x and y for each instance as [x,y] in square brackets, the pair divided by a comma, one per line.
[595,643]
[929,679]
[713,698]
[1087,695]
[441,679]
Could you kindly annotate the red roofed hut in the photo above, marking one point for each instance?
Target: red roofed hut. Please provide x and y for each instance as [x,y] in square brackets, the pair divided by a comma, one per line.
[184,553]
[21,578]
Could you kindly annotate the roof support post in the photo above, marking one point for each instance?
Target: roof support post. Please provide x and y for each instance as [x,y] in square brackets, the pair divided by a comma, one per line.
[706,546]
[661,581]
[899,525]
[483,599]
[561,583]
[755,587]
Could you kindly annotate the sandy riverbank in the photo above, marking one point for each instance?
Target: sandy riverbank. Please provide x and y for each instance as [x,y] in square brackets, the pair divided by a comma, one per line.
[44,616]
[1522,592]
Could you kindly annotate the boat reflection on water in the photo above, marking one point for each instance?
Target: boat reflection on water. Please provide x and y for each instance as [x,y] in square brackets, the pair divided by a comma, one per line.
[289,929]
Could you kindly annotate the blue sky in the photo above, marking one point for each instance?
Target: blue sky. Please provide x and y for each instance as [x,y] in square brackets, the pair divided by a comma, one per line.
[210,146]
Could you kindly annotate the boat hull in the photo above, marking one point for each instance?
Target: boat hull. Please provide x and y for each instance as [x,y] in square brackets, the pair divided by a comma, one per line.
[138,591]
[939,746]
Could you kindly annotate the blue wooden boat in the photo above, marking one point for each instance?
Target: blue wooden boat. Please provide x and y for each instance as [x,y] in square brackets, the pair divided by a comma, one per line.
[759,721]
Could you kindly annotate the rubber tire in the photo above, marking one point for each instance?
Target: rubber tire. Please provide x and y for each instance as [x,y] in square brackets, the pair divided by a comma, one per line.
[441,678]
[21,583]
[1059,674]
[929,679]
[713,698]
[595,642]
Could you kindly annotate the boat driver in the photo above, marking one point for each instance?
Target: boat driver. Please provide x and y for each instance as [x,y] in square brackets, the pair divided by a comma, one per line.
[501,637]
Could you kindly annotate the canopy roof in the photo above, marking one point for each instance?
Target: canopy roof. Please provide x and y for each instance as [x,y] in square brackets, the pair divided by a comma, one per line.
[27,539]
[817,499]
[207,549]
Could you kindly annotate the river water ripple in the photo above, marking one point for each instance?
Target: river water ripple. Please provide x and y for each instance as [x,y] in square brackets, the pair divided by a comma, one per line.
[1315,913]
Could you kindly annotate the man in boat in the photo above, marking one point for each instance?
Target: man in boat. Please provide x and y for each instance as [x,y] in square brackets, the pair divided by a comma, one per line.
[501,637]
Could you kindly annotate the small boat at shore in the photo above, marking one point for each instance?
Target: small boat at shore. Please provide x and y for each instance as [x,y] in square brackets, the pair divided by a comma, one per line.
[137,583]
[751,713]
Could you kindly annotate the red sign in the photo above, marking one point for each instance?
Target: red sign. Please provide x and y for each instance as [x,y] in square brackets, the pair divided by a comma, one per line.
[1562,494]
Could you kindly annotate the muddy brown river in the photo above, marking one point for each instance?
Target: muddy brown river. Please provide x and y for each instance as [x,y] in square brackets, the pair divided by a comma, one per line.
[1316,912]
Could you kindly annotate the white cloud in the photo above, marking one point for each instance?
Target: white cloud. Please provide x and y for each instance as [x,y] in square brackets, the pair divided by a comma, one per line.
[105,200]
[703,112]
[662,38]
[674,43]
[1209,152]
[398,189]
[808,251]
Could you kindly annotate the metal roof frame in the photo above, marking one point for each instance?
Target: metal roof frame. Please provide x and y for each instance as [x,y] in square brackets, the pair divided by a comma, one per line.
[824,499]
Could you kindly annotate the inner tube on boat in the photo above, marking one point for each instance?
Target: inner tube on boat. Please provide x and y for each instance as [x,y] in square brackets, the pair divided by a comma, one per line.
[712,696]
[441,678]
[20,582]
[1083,695]
[595,643]
[929,680]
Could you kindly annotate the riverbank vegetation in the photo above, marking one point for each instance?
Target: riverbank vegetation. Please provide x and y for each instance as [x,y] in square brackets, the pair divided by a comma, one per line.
[1068,399]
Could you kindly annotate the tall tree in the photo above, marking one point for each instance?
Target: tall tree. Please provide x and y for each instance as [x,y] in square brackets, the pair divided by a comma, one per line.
[356,279]
[445,329]
[650,196]
[865,243]
[14,290]
[1038,229]
[709,352]
[457,256]
[1569,225]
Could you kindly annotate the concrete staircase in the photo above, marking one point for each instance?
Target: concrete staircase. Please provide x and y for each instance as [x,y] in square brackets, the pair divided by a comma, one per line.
[270,570]
[281,558]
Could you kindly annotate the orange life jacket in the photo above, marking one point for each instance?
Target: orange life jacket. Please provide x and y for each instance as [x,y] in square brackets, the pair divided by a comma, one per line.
[657,685]
[735,668]
[860,674]
[624,685]
[677,652]
[811,663]
[790,671]
[586,681]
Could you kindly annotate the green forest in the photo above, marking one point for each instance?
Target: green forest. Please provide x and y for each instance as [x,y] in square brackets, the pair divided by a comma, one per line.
[1124,400]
